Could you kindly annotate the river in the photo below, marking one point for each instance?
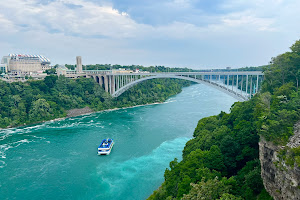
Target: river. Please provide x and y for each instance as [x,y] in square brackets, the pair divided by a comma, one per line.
[58,160]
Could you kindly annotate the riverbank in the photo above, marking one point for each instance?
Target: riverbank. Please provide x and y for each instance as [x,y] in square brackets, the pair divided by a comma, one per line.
[79,112]
[88,111]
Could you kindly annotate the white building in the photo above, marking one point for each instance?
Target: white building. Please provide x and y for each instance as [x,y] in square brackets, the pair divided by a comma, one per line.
[26,63]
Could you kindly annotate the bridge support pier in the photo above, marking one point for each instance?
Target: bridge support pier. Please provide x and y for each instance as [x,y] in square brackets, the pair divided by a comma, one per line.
[109,86]
[117,82]
[106,83]
[257,84]
[237,83]
[95,78]
[250,87]
[227,81]
[100,81]
[242,85]
[113,85]
[247,85]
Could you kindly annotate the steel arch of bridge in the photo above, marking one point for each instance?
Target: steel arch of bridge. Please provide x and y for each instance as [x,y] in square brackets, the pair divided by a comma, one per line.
[117,83]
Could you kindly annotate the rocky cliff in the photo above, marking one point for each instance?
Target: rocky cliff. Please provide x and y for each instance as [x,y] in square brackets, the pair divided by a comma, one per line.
[280,180]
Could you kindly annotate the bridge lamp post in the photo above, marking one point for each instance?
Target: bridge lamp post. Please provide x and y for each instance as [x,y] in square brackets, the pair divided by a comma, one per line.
[227,81]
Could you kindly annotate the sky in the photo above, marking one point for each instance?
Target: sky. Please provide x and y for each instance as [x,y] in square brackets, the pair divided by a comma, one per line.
[199,34]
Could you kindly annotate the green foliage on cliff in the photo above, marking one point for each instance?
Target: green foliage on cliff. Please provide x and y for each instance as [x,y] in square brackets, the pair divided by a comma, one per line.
[279,107]
[221,161]
[36,101]
[279,104]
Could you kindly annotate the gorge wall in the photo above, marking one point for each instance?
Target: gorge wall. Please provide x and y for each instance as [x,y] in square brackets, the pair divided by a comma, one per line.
[280,180]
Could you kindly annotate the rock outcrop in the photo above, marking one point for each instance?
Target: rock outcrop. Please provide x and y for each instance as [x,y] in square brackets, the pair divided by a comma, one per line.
[79,111]
[280,180]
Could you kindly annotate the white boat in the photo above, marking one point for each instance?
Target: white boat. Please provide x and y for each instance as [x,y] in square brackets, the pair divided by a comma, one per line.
[105,146]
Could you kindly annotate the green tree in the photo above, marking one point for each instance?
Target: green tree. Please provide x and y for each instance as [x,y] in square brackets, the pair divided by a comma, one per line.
[50,81]
[40,110]
[212,189]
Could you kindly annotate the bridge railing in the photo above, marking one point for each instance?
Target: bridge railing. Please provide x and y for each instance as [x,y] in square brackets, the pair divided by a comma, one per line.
[112,72]
[98,71]
[113,81]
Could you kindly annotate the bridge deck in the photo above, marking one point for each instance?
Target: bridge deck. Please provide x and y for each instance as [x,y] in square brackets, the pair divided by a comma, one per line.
[116,82]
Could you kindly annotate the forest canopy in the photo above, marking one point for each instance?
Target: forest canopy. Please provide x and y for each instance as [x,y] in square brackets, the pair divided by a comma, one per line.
[40,100]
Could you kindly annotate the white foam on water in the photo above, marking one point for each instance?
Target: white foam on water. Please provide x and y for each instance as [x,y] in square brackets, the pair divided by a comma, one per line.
[171,100]
[97,125]
[34,136]
[81,117]
[6,133]
[77,123]
[36,126]
[2,165]
[5,147]
[18,143]
[59,126]
[9,132]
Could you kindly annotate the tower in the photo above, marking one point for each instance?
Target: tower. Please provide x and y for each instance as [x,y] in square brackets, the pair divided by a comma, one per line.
[78,64]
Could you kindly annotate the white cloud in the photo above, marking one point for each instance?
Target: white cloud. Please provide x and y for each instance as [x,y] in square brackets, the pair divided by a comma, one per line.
[7,26]
[101,33]
[88,19]
[246,19]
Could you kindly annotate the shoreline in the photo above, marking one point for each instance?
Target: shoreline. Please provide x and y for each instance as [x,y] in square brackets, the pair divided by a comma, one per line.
[78,112]
[107,110]
[88,111]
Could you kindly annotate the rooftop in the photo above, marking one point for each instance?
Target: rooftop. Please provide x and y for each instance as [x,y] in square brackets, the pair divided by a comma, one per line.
[42,58]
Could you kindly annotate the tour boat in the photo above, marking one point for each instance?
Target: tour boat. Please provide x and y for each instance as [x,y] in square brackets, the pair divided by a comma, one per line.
[105,146]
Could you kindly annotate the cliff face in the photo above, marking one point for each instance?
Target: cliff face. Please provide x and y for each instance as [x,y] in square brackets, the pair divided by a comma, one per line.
[280,180]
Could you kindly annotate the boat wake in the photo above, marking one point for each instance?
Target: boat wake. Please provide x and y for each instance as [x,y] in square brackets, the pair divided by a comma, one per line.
[149,168]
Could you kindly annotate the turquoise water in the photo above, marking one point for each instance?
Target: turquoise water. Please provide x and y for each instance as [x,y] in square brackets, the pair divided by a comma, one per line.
[58,160]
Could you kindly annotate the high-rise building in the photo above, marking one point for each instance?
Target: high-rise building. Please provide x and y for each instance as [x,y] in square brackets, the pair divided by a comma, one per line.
[25,63]
[78,64]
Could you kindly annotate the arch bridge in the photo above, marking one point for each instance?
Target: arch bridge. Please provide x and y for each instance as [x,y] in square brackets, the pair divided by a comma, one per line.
[240,85]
